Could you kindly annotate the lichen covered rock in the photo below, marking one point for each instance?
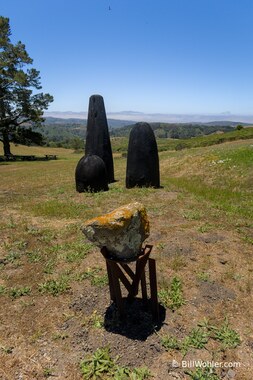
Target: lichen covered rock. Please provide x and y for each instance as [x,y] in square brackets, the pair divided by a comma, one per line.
[122,231]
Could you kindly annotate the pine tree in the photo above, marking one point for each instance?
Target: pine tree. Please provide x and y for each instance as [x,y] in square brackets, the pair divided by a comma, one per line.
[21,109]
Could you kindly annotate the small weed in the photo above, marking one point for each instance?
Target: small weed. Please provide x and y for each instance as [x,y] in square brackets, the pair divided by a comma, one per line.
[19,292]
[227,336]
[173,297]
[101,366]
[73,256]
[36,336]
[2,290]
[49,267]
[99,280]
[47,236]
[248,239]
[160,246]
[94,277]
[124,373]
[13,257]
[192,215]
[94,320]
[177,262]
[205,323]
[47,372]
[203,276]
[205,228]
[59,336]
[197,338]
[98,365]
[202,374]
[27,303]
[33,230]
[170,343]
[55,287]
[6,350]
[231,274]
[11,223]
[34,256]
[200,336]
[21,244]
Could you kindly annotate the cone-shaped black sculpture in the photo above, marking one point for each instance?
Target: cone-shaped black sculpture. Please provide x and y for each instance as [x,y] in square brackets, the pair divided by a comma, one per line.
[97,137]
[91,175]
[142,158]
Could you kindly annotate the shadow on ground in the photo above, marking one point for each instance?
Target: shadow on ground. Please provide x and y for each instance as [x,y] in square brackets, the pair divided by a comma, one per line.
[137,322]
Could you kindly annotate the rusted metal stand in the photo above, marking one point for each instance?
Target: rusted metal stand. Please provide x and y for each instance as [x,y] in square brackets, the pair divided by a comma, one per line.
[131,279]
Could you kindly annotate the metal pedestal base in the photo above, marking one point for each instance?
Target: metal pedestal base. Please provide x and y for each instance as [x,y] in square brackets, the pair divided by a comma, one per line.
[119,272]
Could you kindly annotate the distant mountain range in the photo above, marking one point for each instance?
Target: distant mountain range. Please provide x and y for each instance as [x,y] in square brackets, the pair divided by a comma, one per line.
[112,123]
[127,117]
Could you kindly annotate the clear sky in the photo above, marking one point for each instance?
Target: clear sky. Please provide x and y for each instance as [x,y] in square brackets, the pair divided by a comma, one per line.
[156,56]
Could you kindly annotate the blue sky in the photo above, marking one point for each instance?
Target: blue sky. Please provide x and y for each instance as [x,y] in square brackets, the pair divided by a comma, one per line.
[155,56]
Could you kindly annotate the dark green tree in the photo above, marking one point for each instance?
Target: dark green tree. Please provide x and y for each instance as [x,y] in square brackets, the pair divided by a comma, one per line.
[21,109]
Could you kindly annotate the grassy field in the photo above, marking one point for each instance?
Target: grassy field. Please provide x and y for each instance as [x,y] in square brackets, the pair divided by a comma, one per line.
[55,315]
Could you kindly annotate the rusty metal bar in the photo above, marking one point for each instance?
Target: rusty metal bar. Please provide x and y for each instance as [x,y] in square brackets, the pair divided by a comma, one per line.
[153,289]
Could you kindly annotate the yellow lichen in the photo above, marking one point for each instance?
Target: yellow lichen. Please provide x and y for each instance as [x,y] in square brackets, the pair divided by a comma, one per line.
[121,217]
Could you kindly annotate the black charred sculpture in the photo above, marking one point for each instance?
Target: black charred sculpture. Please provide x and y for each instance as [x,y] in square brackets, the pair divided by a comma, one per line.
[97,136]
[91,174]
[142,158]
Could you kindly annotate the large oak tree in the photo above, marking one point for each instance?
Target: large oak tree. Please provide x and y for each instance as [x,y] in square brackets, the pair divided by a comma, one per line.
[21,104]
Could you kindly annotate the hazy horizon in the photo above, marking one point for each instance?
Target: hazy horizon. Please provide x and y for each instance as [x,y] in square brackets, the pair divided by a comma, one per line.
[156,117]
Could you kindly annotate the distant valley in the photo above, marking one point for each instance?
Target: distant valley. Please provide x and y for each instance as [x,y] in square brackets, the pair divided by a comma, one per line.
[68,131]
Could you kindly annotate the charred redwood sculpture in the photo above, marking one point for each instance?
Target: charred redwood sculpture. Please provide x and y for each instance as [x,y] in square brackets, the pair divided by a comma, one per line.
[91,174]
[142,158]
[97,136]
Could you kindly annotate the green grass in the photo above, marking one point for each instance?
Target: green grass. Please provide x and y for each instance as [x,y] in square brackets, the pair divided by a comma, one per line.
[234,202]
[242,157]
[59,209]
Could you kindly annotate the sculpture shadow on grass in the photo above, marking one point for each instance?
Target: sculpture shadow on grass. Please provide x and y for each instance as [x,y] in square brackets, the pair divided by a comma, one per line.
[137,322]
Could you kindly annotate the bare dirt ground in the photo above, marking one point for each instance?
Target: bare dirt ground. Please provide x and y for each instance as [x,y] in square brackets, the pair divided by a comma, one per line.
[42,331]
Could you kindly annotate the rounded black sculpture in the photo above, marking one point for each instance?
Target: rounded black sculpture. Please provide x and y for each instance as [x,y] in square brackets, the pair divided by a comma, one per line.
[142,158]
[91,174]
[97,136]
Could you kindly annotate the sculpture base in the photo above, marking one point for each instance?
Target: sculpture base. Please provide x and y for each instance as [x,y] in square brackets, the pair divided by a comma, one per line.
[120,272]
